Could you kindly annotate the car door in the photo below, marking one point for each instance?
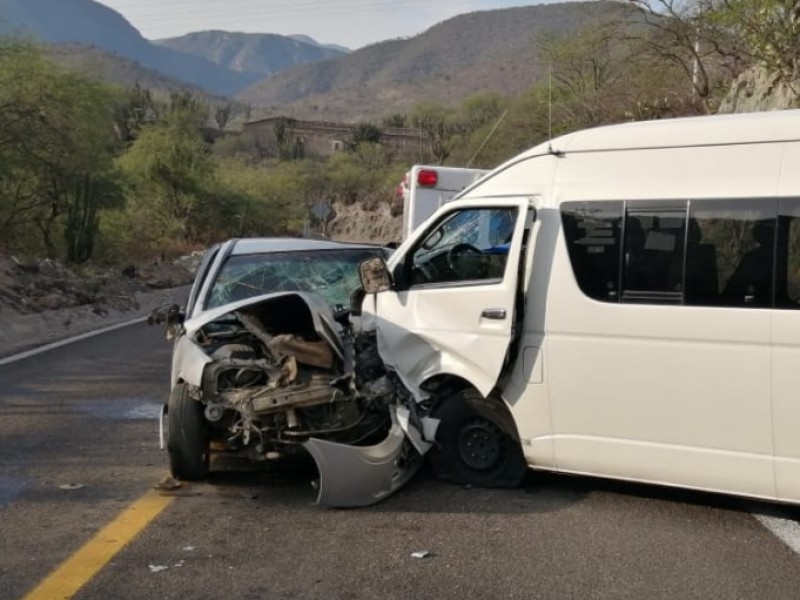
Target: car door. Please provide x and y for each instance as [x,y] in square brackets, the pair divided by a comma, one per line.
[455,292]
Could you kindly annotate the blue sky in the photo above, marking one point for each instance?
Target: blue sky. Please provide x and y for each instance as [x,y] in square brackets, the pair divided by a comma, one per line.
[351,23]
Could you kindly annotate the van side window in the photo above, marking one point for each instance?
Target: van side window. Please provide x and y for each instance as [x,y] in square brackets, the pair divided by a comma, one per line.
[592,232]
[787,270]
[730,253]
[469,245]
[653,255]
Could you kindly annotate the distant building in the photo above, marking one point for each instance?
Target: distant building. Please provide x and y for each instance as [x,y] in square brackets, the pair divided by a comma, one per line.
[323,138]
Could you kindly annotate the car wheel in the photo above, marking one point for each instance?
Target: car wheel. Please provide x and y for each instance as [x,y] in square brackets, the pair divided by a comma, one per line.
[187,436]
[476,443]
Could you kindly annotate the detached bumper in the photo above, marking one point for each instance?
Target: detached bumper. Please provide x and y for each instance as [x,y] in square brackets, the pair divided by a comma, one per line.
[351,476]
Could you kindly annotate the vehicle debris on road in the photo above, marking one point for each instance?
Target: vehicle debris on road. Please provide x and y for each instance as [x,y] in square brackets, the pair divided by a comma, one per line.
[71,486]
[157,568]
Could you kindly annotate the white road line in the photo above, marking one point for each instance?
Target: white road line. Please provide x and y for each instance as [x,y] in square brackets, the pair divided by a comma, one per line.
[28,353]
[786,530]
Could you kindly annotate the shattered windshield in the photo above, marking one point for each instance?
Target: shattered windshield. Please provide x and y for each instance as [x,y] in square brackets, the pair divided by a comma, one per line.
[333,274]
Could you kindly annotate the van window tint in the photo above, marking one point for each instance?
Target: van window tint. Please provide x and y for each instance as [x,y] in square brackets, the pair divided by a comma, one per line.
[737,252]
[787,271]
[653,255]
[592,233]
[730,253]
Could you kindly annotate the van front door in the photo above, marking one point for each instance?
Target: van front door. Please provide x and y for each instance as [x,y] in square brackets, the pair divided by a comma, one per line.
[452,307]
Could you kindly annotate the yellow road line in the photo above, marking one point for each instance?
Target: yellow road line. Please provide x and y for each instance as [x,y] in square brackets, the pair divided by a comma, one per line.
[78,569]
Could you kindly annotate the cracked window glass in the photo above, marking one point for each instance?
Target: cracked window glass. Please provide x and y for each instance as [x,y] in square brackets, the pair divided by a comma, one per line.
[332,274]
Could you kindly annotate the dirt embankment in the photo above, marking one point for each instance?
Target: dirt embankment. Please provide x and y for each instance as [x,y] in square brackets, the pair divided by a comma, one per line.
[354,223]
[43,301]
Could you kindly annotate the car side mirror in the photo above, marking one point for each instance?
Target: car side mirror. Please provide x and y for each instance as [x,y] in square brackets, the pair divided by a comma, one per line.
[172,317]
[374,275]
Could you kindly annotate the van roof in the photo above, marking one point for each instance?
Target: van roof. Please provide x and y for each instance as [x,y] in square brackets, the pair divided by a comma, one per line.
[715,130]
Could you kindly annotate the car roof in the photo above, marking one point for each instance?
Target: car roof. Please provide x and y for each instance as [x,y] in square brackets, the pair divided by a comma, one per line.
[266,245]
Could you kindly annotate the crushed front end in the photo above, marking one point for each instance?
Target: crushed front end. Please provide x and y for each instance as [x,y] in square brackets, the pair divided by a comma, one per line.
[276,375]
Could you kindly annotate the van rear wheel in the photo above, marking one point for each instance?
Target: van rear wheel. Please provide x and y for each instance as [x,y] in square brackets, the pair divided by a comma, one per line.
[476,443]
[187,436]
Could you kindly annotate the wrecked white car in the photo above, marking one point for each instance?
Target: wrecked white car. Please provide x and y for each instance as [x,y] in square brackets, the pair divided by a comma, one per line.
[269,376]
[264,374]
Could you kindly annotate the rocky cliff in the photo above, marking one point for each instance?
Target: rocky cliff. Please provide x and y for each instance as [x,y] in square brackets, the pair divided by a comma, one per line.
[355,223]
[756,90]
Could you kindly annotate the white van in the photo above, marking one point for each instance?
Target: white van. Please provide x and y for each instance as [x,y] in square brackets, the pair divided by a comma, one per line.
[620,302]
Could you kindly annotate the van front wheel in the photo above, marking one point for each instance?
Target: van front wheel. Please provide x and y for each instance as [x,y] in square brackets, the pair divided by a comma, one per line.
[476,443]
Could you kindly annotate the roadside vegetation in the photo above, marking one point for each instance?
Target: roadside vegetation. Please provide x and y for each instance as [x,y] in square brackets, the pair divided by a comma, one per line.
[94,172]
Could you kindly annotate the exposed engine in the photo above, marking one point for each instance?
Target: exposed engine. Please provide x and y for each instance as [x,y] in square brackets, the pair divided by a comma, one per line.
[281,374]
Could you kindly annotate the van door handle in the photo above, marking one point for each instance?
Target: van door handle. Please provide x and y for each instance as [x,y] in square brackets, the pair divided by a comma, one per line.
[494,313]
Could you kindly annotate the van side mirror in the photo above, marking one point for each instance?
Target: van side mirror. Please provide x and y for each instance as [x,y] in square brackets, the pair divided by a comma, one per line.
[374,275]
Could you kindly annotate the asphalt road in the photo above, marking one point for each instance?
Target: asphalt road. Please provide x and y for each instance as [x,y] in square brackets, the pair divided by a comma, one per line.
[84,415]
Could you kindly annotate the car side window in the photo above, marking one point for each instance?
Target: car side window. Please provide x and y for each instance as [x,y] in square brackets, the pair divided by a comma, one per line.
[469,245]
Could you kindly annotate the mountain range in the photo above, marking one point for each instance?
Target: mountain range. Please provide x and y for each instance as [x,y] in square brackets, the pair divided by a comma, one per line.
[252,54]
[494,50]
[216,70]
[294,75]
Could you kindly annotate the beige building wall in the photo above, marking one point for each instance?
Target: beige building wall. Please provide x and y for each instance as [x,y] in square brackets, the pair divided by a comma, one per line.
[323,138]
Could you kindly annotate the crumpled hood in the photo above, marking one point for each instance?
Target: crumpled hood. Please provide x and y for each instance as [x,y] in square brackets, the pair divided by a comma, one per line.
[350,474]
[321,313]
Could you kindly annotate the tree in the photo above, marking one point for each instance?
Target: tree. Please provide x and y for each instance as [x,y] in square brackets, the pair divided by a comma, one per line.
[396,120]
[439,124]
[187,110]
[364,133]
[84,202]
[171,167]
[135,108]
[56,133]
[222,115]
[481,109]
[769,33]
[693,36]
[287,146]
[345,177]
[525,125]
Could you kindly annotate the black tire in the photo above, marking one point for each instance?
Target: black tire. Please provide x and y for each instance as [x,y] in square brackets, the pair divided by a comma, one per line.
[477,443]
[187,436]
